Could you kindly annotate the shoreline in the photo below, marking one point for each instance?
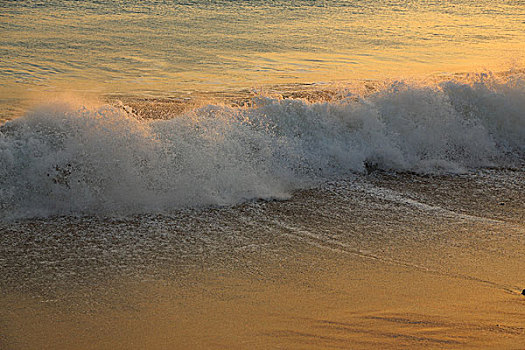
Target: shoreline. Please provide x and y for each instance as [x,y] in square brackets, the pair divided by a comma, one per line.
[344,266]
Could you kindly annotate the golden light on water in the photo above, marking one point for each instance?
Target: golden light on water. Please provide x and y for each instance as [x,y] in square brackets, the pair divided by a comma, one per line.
[165,48]
[214,174]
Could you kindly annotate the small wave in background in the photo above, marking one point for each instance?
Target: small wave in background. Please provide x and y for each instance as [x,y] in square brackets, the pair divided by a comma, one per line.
[62,159]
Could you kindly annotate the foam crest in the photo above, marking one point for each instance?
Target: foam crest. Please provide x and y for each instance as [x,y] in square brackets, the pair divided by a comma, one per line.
[60,160]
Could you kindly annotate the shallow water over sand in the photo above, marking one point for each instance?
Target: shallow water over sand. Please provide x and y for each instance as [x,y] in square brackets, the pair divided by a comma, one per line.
[386,260]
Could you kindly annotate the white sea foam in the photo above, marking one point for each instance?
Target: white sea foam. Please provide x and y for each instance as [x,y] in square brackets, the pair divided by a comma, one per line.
[59,159]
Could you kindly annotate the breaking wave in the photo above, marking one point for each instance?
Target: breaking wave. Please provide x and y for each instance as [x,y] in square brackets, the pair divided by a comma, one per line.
[61,160]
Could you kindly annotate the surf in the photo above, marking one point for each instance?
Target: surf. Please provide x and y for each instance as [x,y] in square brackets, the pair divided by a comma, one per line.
[65,159]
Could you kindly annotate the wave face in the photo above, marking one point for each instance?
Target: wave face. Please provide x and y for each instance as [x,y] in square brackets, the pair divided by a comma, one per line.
[63,160]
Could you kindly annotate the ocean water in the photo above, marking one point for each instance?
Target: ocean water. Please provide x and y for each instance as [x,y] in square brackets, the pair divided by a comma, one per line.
[270,174]
[172,48]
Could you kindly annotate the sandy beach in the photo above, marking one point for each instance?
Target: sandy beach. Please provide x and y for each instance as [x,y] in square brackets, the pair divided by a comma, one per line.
[350,266]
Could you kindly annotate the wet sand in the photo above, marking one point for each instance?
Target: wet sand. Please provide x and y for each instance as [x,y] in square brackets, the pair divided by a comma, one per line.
[348,266]
[364,305]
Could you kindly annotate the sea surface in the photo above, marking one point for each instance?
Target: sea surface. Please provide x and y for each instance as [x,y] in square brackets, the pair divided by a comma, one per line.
[173,48]
[262,174]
